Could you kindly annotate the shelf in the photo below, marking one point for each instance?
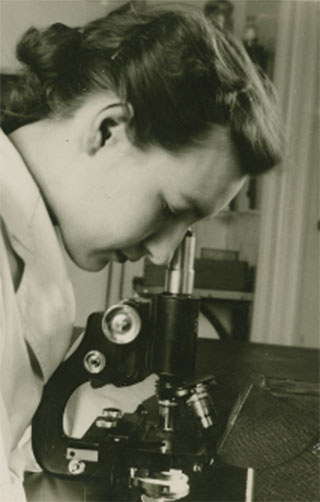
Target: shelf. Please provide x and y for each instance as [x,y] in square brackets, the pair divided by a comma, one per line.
[226,213]
[218,294]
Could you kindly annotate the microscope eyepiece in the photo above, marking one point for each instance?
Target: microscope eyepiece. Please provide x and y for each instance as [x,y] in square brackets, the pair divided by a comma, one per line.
[180,273]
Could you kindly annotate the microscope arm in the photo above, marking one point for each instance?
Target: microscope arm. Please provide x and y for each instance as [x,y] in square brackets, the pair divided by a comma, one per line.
[99,361]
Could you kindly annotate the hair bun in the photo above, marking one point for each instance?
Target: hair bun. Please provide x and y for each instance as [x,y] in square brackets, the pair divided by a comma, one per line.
[50,51]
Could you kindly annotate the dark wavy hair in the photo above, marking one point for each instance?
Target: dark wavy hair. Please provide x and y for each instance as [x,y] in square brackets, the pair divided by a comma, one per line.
[180,73]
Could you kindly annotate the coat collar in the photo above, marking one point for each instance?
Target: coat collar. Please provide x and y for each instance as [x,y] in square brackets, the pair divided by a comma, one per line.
[19,194]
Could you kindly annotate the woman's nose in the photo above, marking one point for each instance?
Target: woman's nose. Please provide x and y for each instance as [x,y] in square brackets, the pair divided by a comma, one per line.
[161,246]
[161,256]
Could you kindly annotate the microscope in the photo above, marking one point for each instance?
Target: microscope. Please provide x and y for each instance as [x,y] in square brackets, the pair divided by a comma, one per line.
[146,455]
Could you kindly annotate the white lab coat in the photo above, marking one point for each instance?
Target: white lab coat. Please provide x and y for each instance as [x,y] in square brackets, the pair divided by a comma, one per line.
[36,325]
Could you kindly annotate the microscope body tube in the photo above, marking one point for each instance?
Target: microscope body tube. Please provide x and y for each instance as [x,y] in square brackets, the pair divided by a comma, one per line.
[175,335]
[176,315]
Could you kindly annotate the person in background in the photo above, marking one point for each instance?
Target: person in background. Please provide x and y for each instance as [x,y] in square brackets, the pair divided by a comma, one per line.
[220,12]
[121,134]
[255,50]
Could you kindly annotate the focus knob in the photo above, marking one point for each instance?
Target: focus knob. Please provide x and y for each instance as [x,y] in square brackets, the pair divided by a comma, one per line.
[121,323]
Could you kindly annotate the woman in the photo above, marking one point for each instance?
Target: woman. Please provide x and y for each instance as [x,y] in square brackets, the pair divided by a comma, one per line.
[122,133]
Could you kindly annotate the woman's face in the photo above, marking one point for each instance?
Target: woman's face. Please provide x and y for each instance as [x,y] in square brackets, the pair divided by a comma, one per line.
[121,202]
[138,204]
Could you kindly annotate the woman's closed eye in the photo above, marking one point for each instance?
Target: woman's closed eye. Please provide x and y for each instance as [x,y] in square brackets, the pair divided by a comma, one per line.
[168,211]
[165,209]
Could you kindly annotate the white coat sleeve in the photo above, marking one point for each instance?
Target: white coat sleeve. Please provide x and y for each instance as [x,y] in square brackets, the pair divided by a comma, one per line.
[11,489]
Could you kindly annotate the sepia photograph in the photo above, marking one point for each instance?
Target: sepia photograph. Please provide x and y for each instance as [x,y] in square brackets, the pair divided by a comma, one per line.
[159,250]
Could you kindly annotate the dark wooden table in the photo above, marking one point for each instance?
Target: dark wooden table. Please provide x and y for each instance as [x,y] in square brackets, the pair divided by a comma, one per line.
[236,363]
[277,427]
[286,405]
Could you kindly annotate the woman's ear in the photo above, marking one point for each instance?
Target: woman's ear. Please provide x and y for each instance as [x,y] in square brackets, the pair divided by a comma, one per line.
[104,126]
